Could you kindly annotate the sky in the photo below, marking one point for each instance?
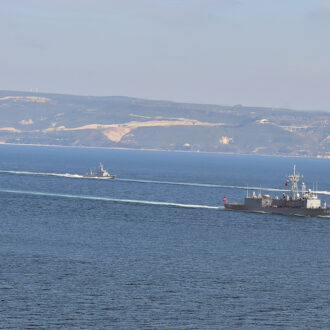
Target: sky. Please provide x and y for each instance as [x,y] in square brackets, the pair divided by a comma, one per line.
[273,53]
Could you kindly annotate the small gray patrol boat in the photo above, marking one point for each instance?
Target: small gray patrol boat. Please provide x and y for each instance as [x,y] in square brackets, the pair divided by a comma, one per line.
[301,203]
[101,174]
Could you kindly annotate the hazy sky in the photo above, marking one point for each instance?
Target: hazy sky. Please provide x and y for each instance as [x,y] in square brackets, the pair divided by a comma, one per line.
[252,52]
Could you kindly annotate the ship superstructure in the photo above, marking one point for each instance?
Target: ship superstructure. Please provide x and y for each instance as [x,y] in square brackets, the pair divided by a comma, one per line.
[101,174]
[304,202]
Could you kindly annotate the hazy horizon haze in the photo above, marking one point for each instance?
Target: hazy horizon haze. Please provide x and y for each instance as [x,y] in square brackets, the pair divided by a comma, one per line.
[256,53]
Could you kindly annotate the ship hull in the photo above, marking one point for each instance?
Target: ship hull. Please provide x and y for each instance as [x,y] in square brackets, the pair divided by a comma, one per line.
[99,177]
[318,212]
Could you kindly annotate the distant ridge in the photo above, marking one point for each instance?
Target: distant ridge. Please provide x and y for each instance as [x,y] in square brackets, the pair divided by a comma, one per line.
[126,122]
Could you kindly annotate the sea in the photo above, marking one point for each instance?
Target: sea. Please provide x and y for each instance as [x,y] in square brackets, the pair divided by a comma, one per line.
[154,248]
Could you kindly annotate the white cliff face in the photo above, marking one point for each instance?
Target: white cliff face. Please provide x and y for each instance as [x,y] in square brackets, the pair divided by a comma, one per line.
[25,99]
[115,132]
[226,140]
[26,122]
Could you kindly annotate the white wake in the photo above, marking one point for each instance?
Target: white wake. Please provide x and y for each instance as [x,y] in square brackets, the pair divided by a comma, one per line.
[107,199]
[192,184]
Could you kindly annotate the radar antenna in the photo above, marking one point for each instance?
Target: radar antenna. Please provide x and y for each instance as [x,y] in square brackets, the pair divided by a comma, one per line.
[294,179]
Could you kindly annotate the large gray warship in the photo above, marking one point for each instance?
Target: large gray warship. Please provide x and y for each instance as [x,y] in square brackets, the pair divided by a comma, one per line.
[101,174]
[302,203]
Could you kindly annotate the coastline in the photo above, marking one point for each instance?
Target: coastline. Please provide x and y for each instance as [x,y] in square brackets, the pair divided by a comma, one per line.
[164,150]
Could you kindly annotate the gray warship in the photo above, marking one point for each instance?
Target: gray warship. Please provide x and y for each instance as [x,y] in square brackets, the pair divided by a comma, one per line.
[302,203]
[101,174]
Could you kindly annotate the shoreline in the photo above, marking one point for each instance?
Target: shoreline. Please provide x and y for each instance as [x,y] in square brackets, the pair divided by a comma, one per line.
[161,150]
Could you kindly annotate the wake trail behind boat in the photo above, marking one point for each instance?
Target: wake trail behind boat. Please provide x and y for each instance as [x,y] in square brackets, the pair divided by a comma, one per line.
[207,185]
[66,175]
[107,199]
[191,184]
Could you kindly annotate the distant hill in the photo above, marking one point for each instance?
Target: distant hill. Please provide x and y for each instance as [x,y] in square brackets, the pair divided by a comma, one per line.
[125,122]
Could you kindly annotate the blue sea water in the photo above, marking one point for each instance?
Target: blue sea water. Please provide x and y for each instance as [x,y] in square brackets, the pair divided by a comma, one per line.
[150,249]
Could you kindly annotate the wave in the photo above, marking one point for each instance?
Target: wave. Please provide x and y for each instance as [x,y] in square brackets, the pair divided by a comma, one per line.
[322,192]
[107,199]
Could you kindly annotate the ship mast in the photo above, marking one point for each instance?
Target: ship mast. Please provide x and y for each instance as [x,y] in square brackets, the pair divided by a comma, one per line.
[294,179]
